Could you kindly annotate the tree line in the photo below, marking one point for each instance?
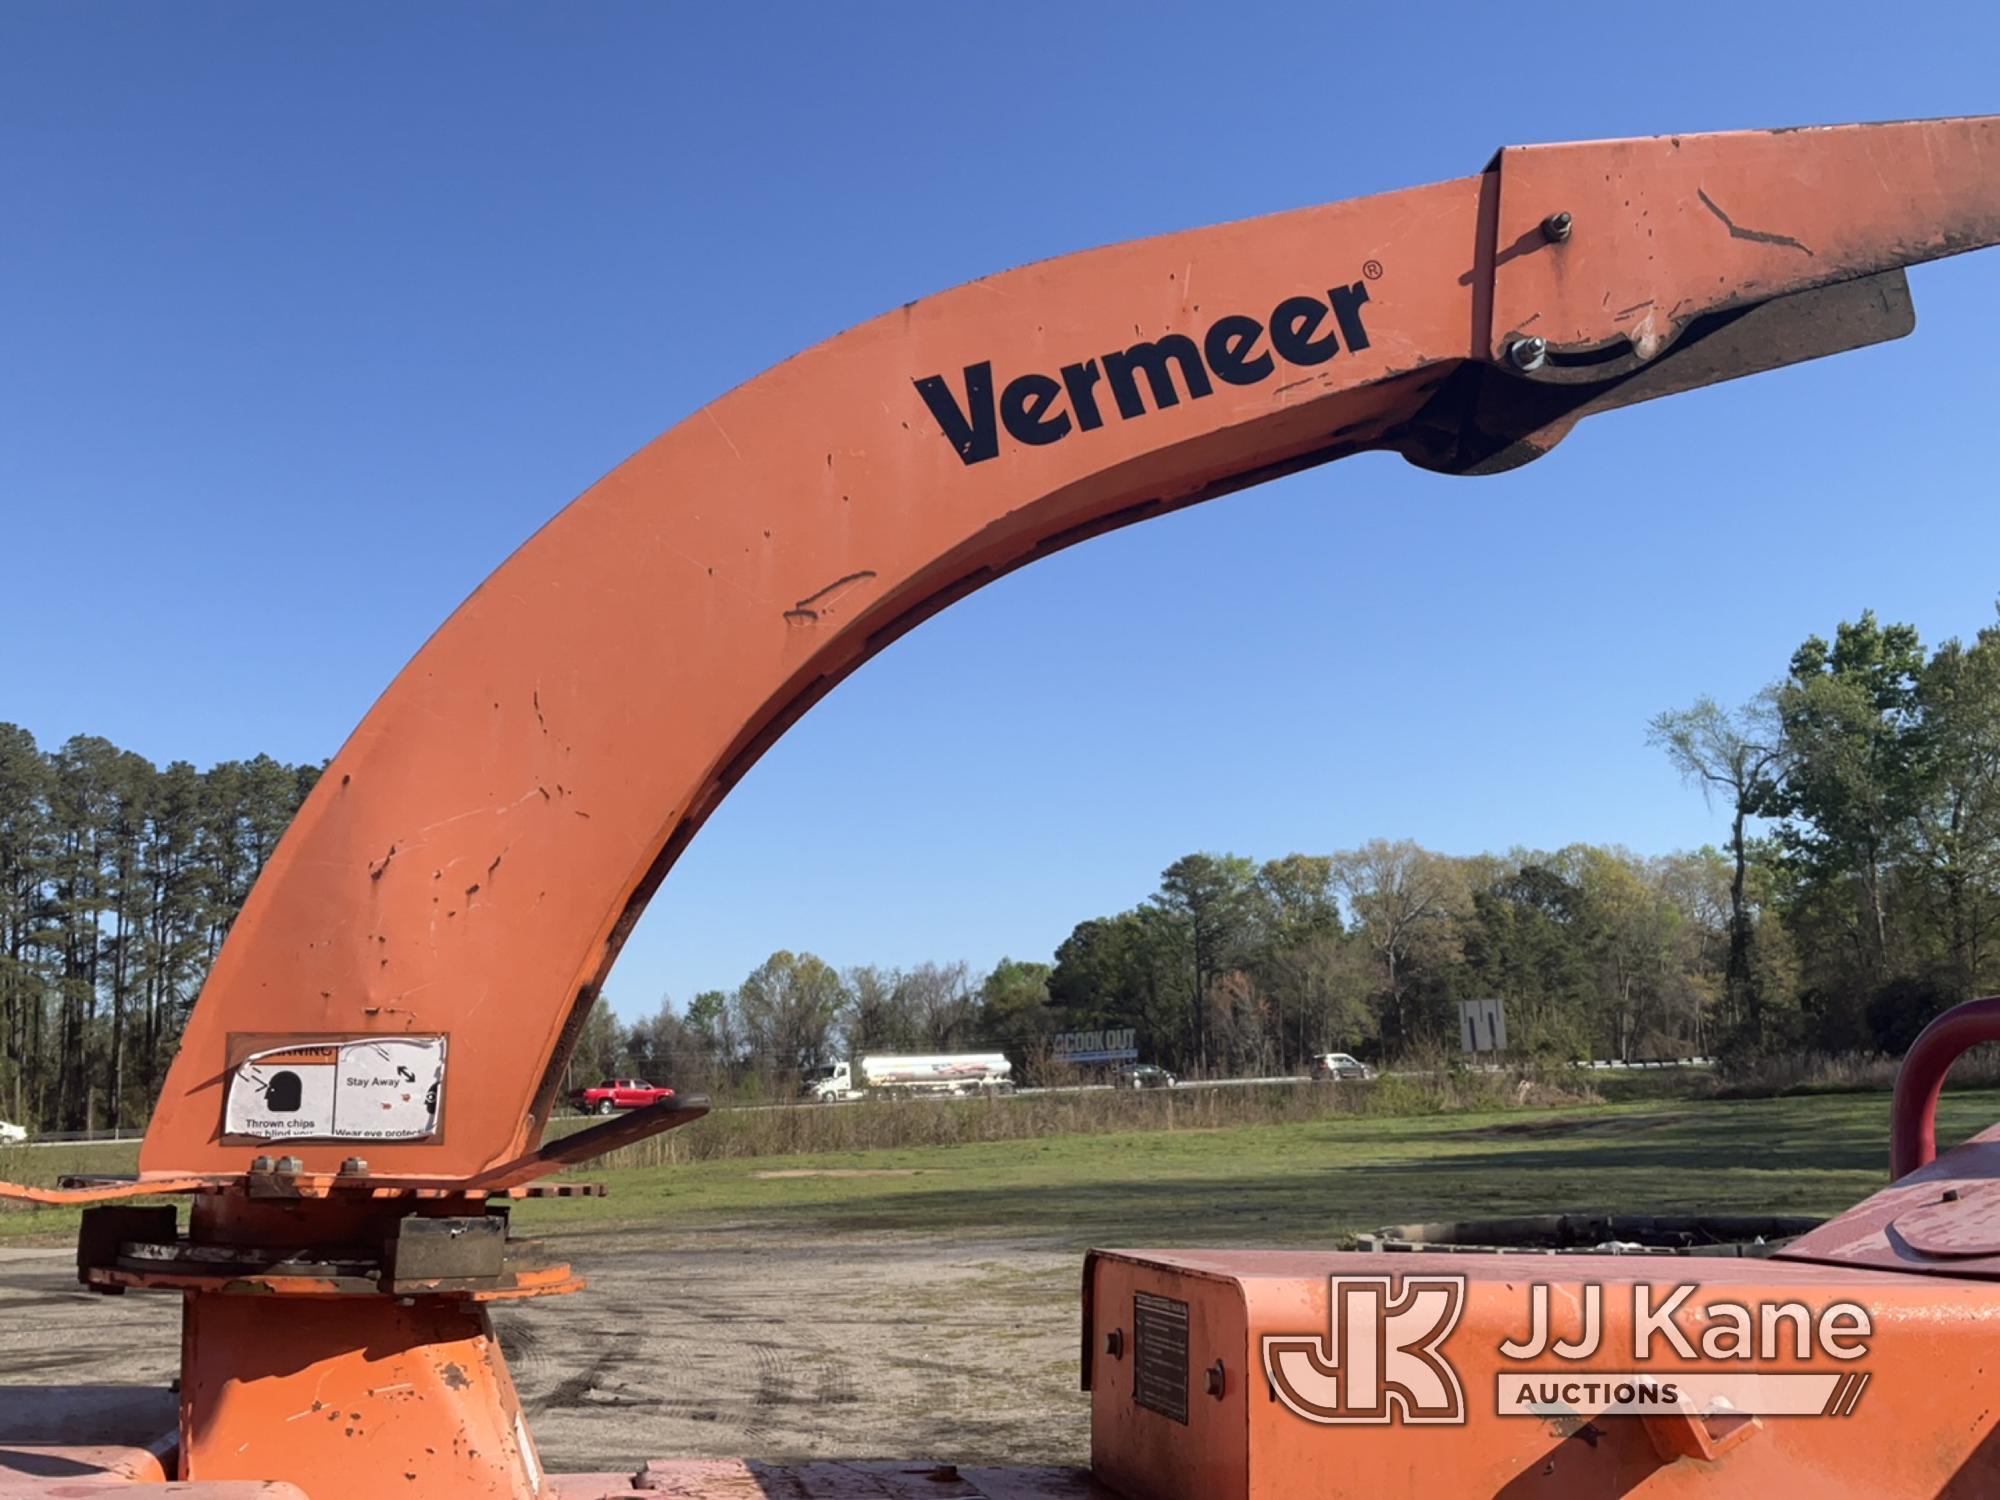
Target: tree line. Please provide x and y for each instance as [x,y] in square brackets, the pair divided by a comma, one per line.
[1856,896]
[118,882]
[1235,967]
[1863,789]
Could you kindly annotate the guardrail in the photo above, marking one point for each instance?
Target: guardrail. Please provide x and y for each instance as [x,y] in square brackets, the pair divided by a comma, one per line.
[82,1137]
[1658,1062]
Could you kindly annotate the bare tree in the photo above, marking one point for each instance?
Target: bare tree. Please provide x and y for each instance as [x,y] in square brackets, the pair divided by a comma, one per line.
[1741,754]
[1326,977]
[942,1003]
[1403,899]
[878,1016]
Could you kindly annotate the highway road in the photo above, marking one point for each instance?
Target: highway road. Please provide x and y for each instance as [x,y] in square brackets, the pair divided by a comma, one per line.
[68,1138]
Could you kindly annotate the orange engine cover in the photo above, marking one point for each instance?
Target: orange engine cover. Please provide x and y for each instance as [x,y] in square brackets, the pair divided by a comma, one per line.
[1198,1364]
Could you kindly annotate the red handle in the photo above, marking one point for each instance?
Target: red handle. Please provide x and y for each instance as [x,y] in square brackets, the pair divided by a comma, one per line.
[1913,1116]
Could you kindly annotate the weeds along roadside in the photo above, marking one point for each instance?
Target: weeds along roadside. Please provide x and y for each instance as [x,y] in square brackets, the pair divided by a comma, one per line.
[807,1129]
[872,1124]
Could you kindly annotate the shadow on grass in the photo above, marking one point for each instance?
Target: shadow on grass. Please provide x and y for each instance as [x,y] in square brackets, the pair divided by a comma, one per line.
[1323,1187]
[1313,1183]
[1325,1207]
[1811,1157]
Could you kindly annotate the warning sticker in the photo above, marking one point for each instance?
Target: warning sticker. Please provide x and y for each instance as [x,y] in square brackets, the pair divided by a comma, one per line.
[372,1089]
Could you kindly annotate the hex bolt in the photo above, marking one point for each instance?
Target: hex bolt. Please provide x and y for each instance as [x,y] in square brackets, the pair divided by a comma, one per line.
[354,1166]
[1215,1380]
[260,1163]
[290,1166]
[1556,228]
[1528,354]
[1114,1343]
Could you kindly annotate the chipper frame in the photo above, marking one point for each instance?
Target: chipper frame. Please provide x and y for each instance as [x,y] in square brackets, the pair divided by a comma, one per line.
[369,1075]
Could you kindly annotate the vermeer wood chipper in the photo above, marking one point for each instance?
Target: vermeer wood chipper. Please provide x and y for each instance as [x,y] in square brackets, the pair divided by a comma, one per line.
[367,1079]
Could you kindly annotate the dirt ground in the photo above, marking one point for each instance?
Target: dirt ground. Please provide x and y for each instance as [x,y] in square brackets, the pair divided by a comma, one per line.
[744,1340]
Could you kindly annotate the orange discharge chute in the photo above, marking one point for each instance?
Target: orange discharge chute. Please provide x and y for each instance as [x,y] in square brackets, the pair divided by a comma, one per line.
[407,978]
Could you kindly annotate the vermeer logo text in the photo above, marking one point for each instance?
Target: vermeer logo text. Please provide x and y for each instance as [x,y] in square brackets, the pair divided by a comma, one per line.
[1038,409]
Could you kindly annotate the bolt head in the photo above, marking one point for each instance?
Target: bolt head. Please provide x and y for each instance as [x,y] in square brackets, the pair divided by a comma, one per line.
[1528,354]
[1556,228]
[260,1163]
[354,1166]
[290,1166]
[1215,1379]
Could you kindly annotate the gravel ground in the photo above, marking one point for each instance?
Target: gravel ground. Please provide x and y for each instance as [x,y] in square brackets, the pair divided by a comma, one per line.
[748,1340]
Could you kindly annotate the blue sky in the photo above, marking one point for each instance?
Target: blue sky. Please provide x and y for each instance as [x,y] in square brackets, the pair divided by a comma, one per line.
[309,314]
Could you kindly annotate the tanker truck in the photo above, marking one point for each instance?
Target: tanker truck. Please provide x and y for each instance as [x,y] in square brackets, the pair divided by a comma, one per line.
[932,1073]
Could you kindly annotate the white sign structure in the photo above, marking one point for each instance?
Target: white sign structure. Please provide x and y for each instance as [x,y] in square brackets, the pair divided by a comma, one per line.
[1482,1025]
[366,1089]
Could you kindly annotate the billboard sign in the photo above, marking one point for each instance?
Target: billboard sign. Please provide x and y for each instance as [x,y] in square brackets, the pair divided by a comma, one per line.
[1115,1045]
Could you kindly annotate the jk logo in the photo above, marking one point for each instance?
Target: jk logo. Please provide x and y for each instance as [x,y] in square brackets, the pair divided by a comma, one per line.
[1380,1359]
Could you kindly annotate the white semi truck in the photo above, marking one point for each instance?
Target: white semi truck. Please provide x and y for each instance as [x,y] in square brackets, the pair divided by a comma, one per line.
[933,1073]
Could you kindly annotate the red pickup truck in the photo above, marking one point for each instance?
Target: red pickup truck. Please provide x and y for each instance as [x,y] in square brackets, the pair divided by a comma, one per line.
[619,1093]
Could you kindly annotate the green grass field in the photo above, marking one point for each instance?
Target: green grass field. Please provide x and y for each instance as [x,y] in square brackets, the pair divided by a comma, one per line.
[1305,1183]
[1311,1182]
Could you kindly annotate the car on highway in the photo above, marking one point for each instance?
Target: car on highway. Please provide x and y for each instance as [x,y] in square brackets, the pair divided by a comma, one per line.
[12,1135]
[615,1094]
[1340,1067]
[1145,1076]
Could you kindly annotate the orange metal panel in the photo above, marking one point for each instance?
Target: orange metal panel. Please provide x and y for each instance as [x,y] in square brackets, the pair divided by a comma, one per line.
[739,1479]
[102,1192]
[361,1395]
[1666,228]
[1942,1219]
[83,1485]
[23,1462]
[1914,1433]
[101,1434]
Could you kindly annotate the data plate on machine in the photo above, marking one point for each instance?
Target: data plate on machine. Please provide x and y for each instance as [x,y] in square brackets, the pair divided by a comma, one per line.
[1160,1355]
